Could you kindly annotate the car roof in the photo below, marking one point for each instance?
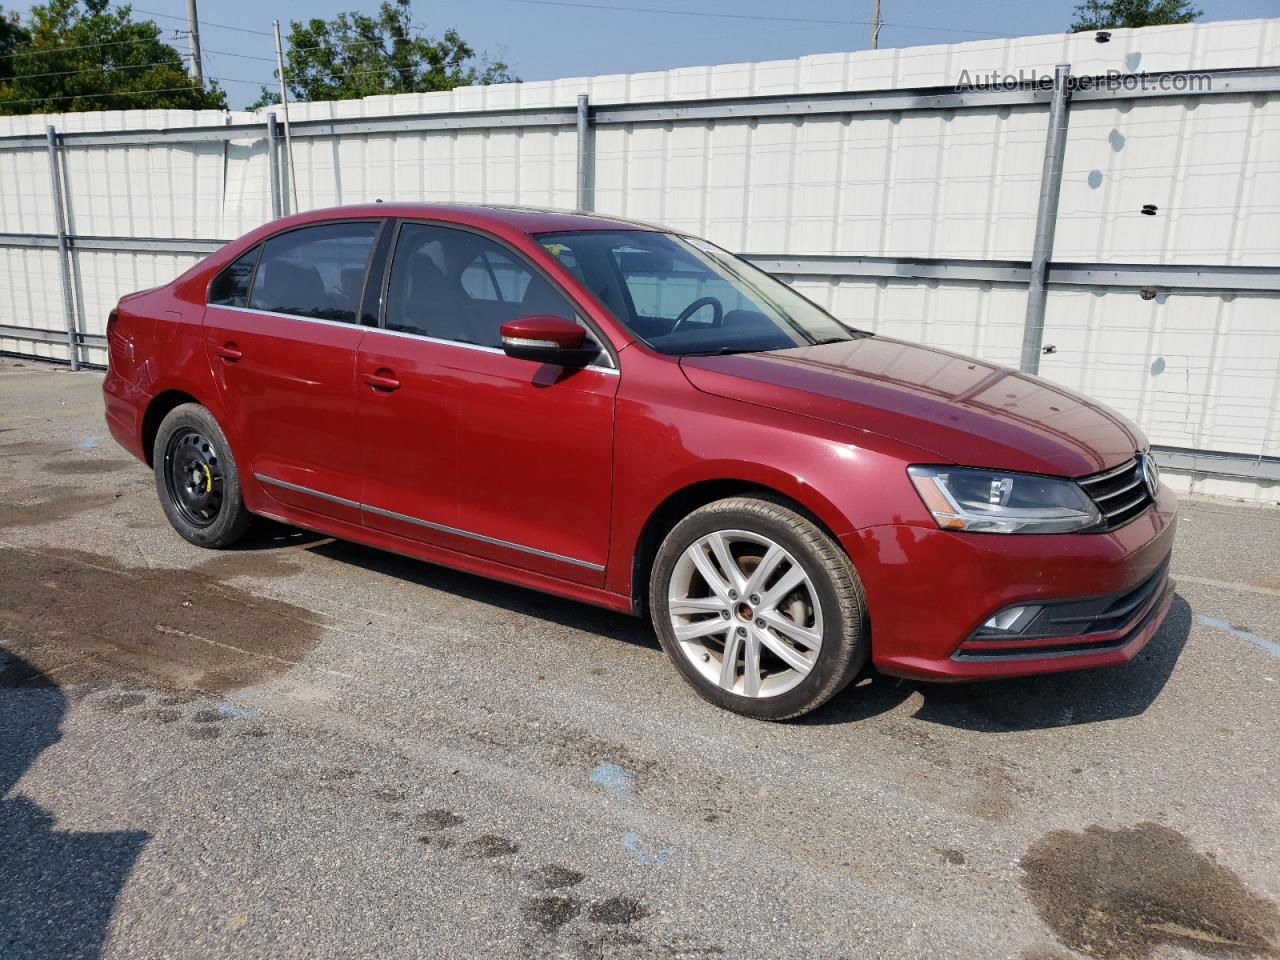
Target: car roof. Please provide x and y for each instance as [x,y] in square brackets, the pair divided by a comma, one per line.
[483,216]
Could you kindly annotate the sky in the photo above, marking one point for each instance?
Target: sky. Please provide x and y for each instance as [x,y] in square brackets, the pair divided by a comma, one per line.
[546,39]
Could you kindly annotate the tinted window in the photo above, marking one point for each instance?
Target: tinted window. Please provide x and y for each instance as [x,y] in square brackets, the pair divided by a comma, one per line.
[456,285]
[230,288]
[314,271]
[686,296]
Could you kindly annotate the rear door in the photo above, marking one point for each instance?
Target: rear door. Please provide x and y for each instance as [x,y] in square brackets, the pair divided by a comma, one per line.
[281,335]
[506,459]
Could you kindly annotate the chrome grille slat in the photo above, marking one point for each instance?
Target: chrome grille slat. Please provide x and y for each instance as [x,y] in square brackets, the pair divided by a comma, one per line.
[1106,489]
[1144,498]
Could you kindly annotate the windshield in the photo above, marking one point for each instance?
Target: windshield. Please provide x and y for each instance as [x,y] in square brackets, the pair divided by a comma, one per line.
[684,296]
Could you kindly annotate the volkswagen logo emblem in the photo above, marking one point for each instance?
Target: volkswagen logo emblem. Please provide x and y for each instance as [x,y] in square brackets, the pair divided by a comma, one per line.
[1150,474]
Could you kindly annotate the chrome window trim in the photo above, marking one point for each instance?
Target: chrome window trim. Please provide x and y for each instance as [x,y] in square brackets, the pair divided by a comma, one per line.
[423,338]
[611,371]
[391,514]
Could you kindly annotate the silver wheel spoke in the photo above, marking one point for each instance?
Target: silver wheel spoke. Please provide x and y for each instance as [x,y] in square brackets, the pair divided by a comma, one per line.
[764,570]
[701,628]
[729,662]
[729,565]
[691,606]
[719,586]
[789,628]
[786,583]
[751,667]
[788,654]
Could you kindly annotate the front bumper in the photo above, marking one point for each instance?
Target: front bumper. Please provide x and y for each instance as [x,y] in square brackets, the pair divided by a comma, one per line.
[929,590]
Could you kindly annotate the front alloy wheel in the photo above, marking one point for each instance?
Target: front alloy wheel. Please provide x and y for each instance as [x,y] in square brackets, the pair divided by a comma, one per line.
[745,613]
[760,610]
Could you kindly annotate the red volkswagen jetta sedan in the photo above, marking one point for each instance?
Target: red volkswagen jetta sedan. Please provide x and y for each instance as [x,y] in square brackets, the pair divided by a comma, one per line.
[635,418]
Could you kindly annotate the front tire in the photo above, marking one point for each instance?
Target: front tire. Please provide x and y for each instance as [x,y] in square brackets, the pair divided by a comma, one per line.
[197,478]
[761,611]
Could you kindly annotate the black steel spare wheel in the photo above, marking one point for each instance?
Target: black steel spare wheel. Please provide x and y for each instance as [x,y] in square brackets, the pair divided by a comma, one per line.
[194,477]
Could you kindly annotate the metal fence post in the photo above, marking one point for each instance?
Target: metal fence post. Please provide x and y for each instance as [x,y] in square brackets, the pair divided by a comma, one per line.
[64,250]
[1055,146]
[273,162]
[584,198]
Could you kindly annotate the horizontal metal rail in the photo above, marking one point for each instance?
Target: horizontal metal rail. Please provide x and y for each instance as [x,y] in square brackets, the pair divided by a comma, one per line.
[43,335]
[1216,83]
[1213,463]
[1257,281]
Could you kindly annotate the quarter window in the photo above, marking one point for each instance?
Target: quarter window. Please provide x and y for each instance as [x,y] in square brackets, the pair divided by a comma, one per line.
[230,288]
[456,285]
[314,271]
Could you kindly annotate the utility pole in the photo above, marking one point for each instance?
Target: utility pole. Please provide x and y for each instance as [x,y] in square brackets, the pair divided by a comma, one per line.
[284,102]
[193,28]
[875,25]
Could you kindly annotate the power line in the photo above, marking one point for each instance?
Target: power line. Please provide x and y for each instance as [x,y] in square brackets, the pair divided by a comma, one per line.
[742,16]
[203,22]
[83,46]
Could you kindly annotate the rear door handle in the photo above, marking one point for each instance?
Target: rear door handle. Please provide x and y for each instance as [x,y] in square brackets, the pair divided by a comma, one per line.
[383,381]
[228,351]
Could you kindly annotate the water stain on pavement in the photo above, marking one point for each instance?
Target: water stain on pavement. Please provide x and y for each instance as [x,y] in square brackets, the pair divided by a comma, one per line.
[37,505]
[1121,894]
[86,467]
[174,630]
[552,912]
[618,910]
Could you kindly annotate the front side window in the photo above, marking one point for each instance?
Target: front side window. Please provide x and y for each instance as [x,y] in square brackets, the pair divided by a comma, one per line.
[230,288]
[314,271]
[456,285]
[683,296]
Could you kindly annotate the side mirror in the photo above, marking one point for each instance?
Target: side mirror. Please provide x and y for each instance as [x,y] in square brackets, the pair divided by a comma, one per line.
[548,340]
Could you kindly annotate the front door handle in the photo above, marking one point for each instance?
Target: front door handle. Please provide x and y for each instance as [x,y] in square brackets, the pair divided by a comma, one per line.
[384,381]
[228,351]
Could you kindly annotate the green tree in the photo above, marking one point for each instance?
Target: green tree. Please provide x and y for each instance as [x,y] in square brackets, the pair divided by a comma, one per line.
[85,56]
[1113,14]
[357,55]
[11,37]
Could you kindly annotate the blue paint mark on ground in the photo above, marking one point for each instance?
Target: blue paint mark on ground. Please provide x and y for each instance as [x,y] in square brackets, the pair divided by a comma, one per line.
[631,844]
[229,709]
[616,780]
[88,443]
[1218,623]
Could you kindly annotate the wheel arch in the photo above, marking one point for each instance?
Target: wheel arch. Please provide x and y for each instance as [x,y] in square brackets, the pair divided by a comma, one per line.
[157,409]
[682,502]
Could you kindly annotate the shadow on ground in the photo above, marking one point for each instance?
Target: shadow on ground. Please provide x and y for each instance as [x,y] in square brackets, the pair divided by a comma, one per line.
[58,889]
[1024,703]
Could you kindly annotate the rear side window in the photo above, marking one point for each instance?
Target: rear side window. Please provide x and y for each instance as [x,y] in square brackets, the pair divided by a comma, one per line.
[230,288]
[314,271]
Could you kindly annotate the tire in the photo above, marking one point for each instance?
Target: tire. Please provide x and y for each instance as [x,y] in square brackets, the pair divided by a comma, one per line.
[197,478]
[827,605]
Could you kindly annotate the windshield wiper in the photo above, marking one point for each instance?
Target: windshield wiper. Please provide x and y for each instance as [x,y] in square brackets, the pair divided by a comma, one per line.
[725,351]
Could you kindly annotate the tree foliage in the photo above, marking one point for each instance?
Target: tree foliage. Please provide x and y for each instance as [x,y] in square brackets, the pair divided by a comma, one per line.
[358,55]
[1114,14]
[75,55]
[11,37]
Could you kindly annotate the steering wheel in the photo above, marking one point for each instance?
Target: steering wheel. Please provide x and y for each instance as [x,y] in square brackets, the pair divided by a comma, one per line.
[697,305]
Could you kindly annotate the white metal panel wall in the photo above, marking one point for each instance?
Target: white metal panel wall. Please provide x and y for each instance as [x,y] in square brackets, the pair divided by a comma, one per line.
[1196,371]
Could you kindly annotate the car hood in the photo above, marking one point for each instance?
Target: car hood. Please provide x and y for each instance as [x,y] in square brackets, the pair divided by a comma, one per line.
[960,409]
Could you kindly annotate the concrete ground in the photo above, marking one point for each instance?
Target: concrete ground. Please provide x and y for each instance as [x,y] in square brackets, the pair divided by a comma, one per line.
[305,748]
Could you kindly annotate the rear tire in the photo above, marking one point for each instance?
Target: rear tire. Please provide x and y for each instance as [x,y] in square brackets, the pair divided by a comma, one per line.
[759,609]
[197,478]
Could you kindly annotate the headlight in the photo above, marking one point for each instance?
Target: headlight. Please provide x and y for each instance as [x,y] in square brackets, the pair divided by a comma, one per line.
[990,501]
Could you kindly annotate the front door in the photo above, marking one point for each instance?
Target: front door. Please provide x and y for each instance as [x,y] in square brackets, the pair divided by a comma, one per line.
[281,336]
[500,458]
